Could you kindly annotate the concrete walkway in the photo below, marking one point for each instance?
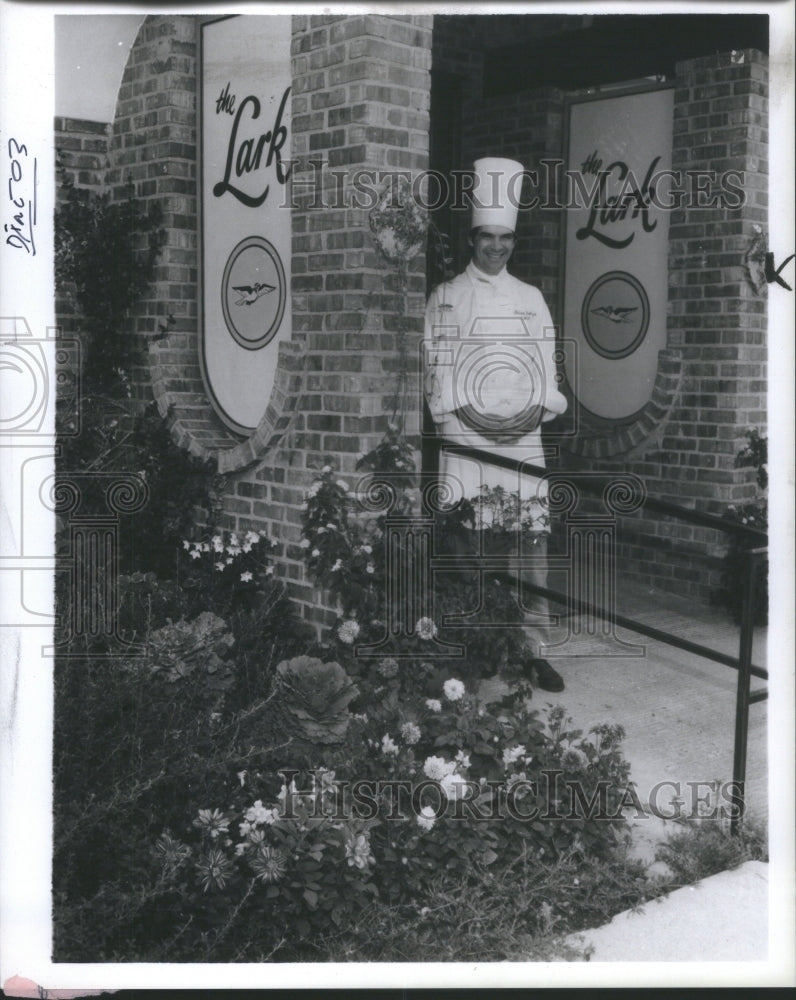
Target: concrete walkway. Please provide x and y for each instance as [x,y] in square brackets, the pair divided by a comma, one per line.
[678,712]
[677,709]
[723,918]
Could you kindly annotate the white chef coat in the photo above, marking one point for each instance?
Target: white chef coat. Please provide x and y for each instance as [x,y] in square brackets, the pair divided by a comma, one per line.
[489,336]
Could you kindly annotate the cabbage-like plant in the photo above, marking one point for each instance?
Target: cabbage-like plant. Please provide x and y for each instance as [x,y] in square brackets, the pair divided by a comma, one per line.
[313,698]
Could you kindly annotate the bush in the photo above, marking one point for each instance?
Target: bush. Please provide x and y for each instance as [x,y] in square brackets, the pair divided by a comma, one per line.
[706,848]
[378,821]
[105,257]
[142,741]
[754,514]
[345,553]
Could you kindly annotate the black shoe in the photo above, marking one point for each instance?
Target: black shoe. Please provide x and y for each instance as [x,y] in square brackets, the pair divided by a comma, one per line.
[546,678]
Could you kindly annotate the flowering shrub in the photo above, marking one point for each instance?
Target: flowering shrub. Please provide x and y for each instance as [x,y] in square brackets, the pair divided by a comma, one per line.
[291,867]
[419,788]
[228,569]
[398,222]
[344,549]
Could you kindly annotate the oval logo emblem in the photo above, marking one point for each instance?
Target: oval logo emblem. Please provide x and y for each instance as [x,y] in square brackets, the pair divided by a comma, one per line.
[253,293]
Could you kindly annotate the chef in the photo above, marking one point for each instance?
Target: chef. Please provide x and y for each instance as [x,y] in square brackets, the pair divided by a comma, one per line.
[490,373]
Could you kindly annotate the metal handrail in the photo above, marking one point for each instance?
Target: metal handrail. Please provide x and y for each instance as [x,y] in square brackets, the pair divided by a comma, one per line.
[742,663]
[688,514]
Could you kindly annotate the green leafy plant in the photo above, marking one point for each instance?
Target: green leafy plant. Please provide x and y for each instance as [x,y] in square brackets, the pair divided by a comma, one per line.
[106,252]
[753,514]
[702,848]
[345,553]
[310,702]
[755,454]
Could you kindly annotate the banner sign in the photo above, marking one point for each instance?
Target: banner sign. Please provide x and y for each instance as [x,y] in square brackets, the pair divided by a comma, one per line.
[246,234]
[615,277]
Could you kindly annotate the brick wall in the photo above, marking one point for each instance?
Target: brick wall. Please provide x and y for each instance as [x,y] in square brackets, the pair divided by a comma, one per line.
[716,331]
[81,158]
[360,101]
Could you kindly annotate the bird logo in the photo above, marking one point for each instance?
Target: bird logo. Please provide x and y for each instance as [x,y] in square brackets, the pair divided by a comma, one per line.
[250,293]
[616,314]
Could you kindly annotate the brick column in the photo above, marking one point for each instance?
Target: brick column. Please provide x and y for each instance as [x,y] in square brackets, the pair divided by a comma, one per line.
[717,317]
[360,113]
[361,94]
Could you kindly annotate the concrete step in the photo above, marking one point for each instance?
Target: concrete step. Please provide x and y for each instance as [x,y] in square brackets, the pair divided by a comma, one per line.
[723,918]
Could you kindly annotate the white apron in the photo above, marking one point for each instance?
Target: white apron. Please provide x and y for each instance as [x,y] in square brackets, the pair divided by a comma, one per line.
[489,344]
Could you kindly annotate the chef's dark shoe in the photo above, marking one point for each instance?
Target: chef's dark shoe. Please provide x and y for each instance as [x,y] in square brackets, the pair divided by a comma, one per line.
[546,678]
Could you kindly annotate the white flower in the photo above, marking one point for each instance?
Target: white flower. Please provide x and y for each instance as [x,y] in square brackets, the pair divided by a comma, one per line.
[388,745]
[338,563]
[331,526]
[229,560]
[326,468]
[245,577]
[218,543]
[186,545]
[367,549]
[370,568]
[433,704]
[510,754]
[219,566]
[259,814]
[233,539]
[212,820]
[348,631]
[304,543]
[252,537]
[246,547]
[240,849]
[437,768]
[205,547]
[282,793]
[269,571]
[574,759]
[195,554]
[316,553]
[453,785]
[463,759]
[357,851]
[426,629]
[342,484]
[410,733]
[321,530]
[427,818]
[453,689]
[242,777]
[516,779]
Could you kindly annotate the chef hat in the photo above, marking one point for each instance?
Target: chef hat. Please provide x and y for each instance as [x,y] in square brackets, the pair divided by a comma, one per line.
[496,192]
